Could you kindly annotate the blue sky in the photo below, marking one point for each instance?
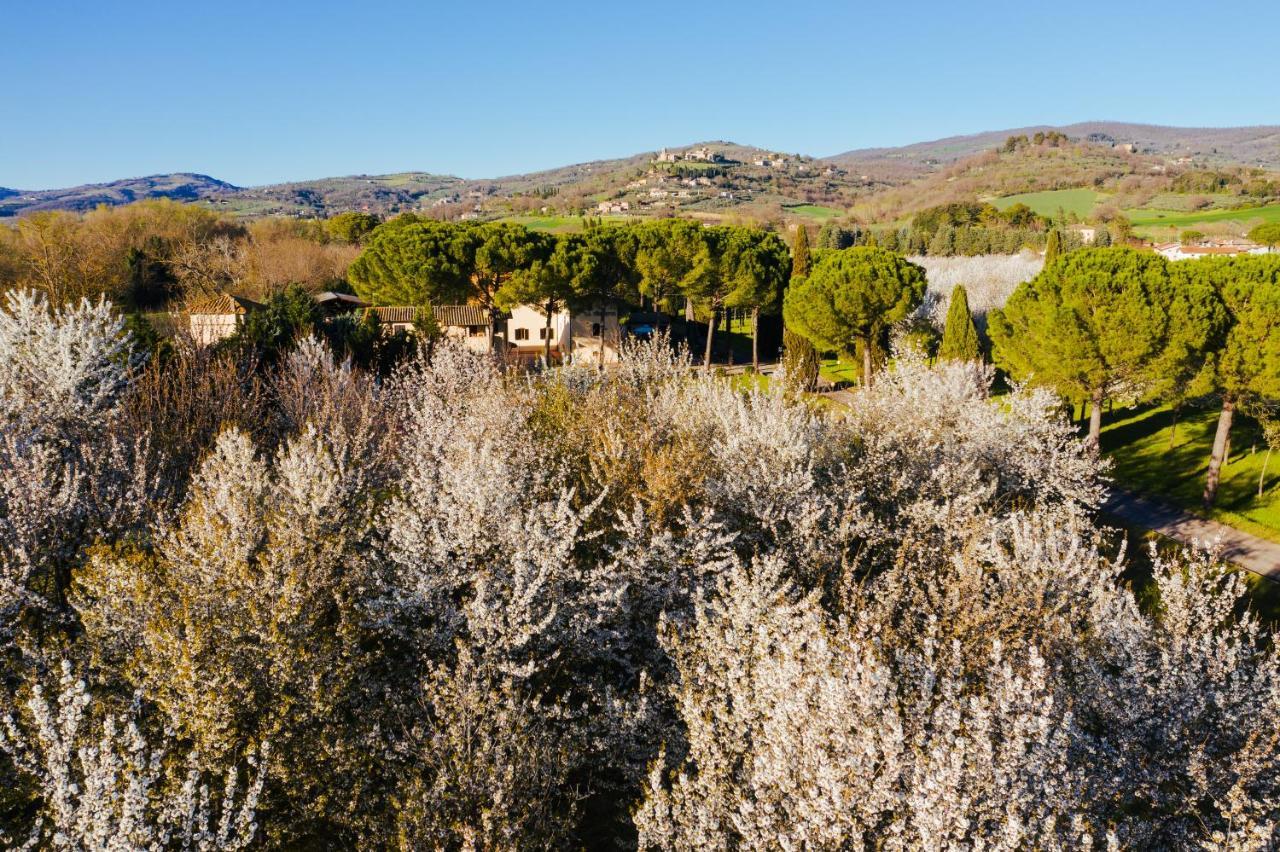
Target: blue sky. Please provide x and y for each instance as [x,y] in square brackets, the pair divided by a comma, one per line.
[266,91]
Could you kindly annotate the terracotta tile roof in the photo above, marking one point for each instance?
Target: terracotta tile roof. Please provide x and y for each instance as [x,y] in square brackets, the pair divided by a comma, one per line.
[223,303]
[394,313]
[446,315]
[461,315]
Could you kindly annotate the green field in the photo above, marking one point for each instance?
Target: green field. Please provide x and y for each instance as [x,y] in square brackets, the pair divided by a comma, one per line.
[1142,217]
[813,211]
[1078,201]
[558,224]
[1146,461]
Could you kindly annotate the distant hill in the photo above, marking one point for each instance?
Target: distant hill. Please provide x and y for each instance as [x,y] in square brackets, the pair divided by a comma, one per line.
[182,187]
[1249,146]
[720,179]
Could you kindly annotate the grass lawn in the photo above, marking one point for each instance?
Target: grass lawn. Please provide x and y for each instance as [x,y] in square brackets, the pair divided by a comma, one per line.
[557,224]
[1144,218]
[1138,442]
[1048,203]
[813,211]
[838,371]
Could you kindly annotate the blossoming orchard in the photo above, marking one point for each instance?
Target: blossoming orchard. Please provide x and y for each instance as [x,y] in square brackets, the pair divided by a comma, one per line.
[290,602]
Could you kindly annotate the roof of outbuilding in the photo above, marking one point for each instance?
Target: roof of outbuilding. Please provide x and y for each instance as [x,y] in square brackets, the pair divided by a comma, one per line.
[345,298]
[461,315]
[223,303]
[394,313]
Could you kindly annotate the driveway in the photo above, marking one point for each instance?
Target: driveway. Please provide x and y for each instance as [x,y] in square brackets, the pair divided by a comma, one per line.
[1248,551]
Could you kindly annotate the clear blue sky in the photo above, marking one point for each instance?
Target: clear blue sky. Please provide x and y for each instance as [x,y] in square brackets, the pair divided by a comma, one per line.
[266,91]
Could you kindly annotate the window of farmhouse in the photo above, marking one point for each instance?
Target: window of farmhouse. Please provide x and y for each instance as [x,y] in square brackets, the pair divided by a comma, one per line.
[542,333]
[595,329]
[522,334]
[476,330]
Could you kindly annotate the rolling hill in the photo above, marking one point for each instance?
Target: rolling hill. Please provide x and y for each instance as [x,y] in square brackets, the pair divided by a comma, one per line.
[1248,146]
[181,186]
[1128,164]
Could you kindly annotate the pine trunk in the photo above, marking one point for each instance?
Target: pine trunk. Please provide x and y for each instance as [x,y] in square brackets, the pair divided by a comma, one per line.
[755,339]
[866,362]
[1220,440]
[711,332]
[1095,419]
[602,311]
[1262,477]
[546,338]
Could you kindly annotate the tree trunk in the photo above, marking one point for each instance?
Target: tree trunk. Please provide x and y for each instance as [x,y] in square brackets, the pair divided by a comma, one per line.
[1262,477]
[1220,440]
[688,309]
[711,331]
[755,339]
[866,362]
[546,341]
[1095,419]
[1173,430]
[602,307]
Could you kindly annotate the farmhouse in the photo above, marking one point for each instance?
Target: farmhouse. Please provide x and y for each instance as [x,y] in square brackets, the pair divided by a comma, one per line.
[217,317]
[467,324]
[523,334]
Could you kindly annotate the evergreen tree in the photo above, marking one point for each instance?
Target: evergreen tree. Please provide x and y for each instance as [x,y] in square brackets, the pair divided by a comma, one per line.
[1053,247]
[801,262]
[851,298]
[1101,320]
[1102,237]
[1245,370]
[960,337]
[799,358]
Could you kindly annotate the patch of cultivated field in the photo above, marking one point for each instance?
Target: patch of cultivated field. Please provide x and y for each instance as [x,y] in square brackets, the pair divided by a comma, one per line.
[814,211]
[1179,219]
[558,224]
[1078,201]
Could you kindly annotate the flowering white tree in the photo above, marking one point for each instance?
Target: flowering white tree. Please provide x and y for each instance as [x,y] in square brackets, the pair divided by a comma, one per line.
[65,477]
[113,790]
[988,281]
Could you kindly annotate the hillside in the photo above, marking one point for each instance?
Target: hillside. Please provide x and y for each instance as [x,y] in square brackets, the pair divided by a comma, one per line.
[1249,146]
[1133,165]
[181,186]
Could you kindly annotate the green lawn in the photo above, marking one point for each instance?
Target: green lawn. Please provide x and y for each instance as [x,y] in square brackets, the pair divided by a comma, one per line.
[838,371]
[557,224]
[813,211]
[1178,219]
[1078,201]
[1138,442]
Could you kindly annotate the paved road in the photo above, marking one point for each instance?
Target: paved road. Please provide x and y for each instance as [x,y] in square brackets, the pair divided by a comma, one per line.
[1248,551]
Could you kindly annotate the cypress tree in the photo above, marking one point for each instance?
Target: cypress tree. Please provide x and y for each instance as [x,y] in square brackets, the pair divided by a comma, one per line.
[960,337]
[800,259]
[1053,247]
[799,358]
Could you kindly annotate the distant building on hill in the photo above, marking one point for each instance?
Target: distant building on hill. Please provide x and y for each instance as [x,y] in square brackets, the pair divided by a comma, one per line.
[1087,233]
[1228,248]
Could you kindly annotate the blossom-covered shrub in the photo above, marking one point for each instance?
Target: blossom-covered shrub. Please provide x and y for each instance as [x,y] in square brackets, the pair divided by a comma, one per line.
[476,608]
